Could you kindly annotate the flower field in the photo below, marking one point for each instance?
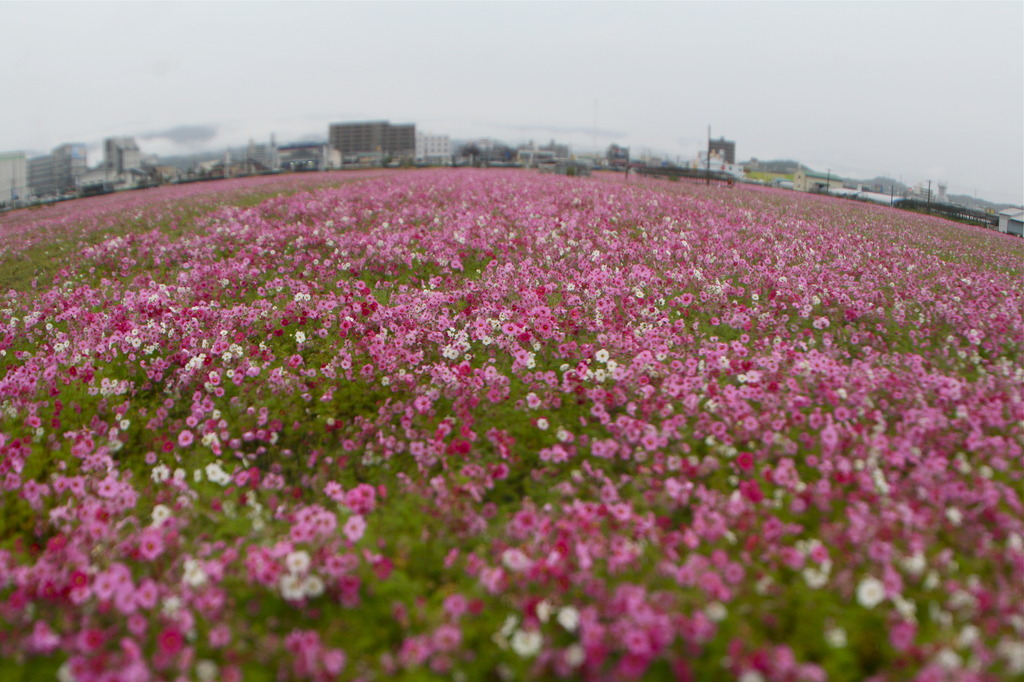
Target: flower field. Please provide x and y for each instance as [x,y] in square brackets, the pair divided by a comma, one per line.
[493,425]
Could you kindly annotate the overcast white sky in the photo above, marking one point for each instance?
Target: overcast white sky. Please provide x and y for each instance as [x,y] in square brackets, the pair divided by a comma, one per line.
[919,90]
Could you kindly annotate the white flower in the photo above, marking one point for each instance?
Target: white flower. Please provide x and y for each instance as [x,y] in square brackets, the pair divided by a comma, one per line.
[907,608]
[601,356]
[914,564]
[206,670]
[870,592]
[815,578]
[515,560]
[1012,652]
[569,618]
[292,587]
[955,516]
[216,474]
[160,473]
[297,561]
[949,659]
[194,576]
[64,673]
[968,636]
[526,644]
[543,611]
[575,655]
[716,611]
[313,586]
[542,424]
[171,605]
[509,625]
[161,513]
[836,637]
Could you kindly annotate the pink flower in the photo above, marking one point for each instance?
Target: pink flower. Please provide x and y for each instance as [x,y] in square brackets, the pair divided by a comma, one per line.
[354,528]
[829,438]
[333,661]
[361,499]
[447,637]
[185,438]
[151,543]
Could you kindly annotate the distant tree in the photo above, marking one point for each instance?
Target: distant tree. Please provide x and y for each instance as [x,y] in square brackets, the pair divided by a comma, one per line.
[472,151]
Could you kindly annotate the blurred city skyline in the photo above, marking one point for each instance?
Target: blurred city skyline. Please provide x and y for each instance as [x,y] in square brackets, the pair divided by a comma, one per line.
[915,91]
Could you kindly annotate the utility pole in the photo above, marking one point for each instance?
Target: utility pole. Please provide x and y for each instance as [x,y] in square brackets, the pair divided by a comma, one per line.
[828,182]
[708,159]
[929,195]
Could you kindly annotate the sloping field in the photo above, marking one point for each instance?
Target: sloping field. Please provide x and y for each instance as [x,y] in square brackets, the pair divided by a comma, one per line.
[501,426]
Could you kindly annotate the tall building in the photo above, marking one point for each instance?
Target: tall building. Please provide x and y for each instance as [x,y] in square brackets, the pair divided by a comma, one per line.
[373,137]
[40,176]
[13,178]
[724,147]
[58,172]
[121,154]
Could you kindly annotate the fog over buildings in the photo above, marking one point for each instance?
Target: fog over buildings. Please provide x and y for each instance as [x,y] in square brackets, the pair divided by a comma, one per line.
[916,91]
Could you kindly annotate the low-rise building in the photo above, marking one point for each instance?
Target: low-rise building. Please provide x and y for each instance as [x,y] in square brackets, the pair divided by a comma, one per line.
[314,156]
[618,157]
[807,180]
[486,152]
[1011,221]
[98,180]
[716,162]
[573,167]
[531,155]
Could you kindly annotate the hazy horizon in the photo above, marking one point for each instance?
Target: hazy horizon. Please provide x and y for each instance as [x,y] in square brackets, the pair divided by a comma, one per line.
[915,91]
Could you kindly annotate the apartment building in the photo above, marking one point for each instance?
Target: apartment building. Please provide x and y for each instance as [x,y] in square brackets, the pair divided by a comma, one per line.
[373,137]
[57,173]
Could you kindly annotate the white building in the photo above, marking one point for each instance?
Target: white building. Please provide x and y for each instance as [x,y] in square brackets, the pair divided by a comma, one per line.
[433,149]
[13,178]
[1011,221]
[263,156]
[308,156]
[717,164]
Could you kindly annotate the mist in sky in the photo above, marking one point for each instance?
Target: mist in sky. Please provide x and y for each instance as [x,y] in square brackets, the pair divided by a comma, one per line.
[919,91]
